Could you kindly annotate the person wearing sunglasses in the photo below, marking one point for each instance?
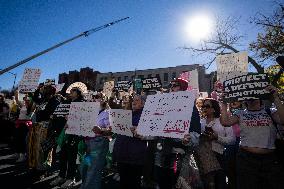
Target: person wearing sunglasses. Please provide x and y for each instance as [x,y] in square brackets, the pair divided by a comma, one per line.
[212,145]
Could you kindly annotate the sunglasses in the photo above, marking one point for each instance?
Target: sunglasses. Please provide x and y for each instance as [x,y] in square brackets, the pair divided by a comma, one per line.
[206,106]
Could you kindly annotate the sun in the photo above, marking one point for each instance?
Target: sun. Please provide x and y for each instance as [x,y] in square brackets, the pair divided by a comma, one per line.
[199,27]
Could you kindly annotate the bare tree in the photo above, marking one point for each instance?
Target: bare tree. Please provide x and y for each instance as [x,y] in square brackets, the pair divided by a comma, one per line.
[224,39]
[269,43]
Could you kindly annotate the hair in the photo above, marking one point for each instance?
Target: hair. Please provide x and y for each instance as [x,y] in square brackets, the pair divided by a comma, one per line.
[49,91]
[79,92]
[215,106]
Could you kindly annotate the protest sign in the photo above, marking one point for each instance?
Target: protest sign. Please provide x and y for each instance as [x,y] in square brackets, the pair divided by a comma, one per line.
[231,65]
[79,85]
[121,121]
[167,115]
[192,78]
[82,118]
[250,86]
[29,82]
[108,87]
[49,82]
[61,110]
[123,85]
[153,83]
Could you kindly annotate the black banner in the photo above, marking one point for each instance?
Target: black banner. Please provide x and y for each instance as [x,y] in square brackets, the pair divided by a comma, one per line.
[123,85]
[251,86]
[61,110]
[151,83]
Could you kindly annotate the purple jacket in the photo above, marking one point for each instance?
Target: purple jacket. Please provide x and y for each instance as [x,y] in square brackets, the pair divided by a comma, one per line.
[130,150]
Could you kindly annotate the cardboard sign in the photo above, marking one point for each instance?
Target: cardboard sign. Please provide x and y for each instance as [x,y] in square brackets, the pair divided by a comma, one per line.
[151,83]
[108,87]
[82,118]
[167,115]
[231,65]
[251,86]
[29,82]
[123,85]
[121,121]
[61,110]
[79,85]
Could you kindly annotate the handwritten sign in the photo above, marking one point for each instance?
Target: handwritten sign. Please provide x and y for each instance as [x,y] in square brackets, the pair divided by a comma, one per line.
[121,121]
[29,82]
[151,83]
[79,85]
[82,118]
[251,86]
[167,115]
[231,65]
[49,82]
[108,87]
[61,110]
[123,85]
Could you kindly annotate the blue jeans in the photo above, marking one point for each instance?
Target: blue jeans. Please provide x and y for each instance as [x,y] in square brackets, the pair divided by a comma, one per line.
[94,162]
[257,171]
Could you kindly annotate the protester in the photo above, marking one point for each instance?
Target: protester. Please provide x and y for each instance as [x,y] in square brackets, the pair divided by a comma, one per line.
[97,148]
[129,152]
[258,165]
[169,151]
[6,131]
[69,150]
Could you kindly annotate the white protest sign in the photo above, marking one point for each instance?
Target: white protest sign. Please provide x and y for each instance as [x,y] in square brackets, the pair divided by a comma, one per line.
[167,115]
[108,87]
[29,82]
[231,65]
[82,118]
[121,121]
[79,85]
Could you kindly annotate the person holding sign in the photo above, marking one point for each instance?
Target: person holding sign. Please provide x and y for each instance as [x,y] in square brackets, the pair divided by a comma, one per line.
[69,150]
[258,165]
[97,148]
[129,152]
[169,150]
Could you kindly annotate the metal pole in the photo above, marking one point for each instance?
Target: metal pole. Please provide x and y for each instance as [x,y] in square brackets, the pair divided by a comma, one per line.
[86,33]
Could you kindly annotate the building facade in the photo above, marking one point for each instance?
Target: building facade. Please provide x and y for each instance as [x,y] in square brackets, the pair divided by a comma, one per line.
[165,74]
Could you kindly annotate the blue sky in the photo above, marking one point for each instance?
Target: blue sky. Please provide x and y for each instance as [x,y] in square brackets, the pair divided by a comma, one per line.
[149,39]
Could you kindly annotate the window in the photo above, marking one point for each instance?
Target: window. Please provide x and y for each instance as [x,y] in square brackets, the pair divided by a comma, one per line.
[158,75]
[174,75]
[125,78]
[141,76]
[149,75]
[166,76]
[119,79]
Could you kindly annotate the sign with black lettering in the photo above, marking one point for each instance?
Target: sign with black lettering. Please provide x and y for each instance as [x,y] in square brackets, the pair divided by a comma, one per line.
[49,82]
[151,83]
[61,110]
[123,85]
[251,86]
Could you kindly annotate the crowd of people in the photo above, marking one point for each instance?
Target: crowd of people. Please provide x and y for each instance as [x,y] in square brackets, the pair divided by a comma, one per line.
[229,145]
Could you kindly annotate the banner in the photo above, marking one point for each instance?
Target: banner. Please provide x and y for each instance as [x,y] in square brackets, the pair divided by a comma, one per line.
[167,115]
[29,82]
[82,118]
[123,85]
[61,110]
[79,85]
[108,87]
[231,65]
[251,86]
[153,83]
[121,121]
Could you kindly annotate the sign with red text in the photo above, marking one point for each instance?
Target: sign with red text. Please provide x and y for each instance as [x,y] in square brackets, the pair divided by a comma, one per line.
[82,118]
[167,115]
[121,121]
